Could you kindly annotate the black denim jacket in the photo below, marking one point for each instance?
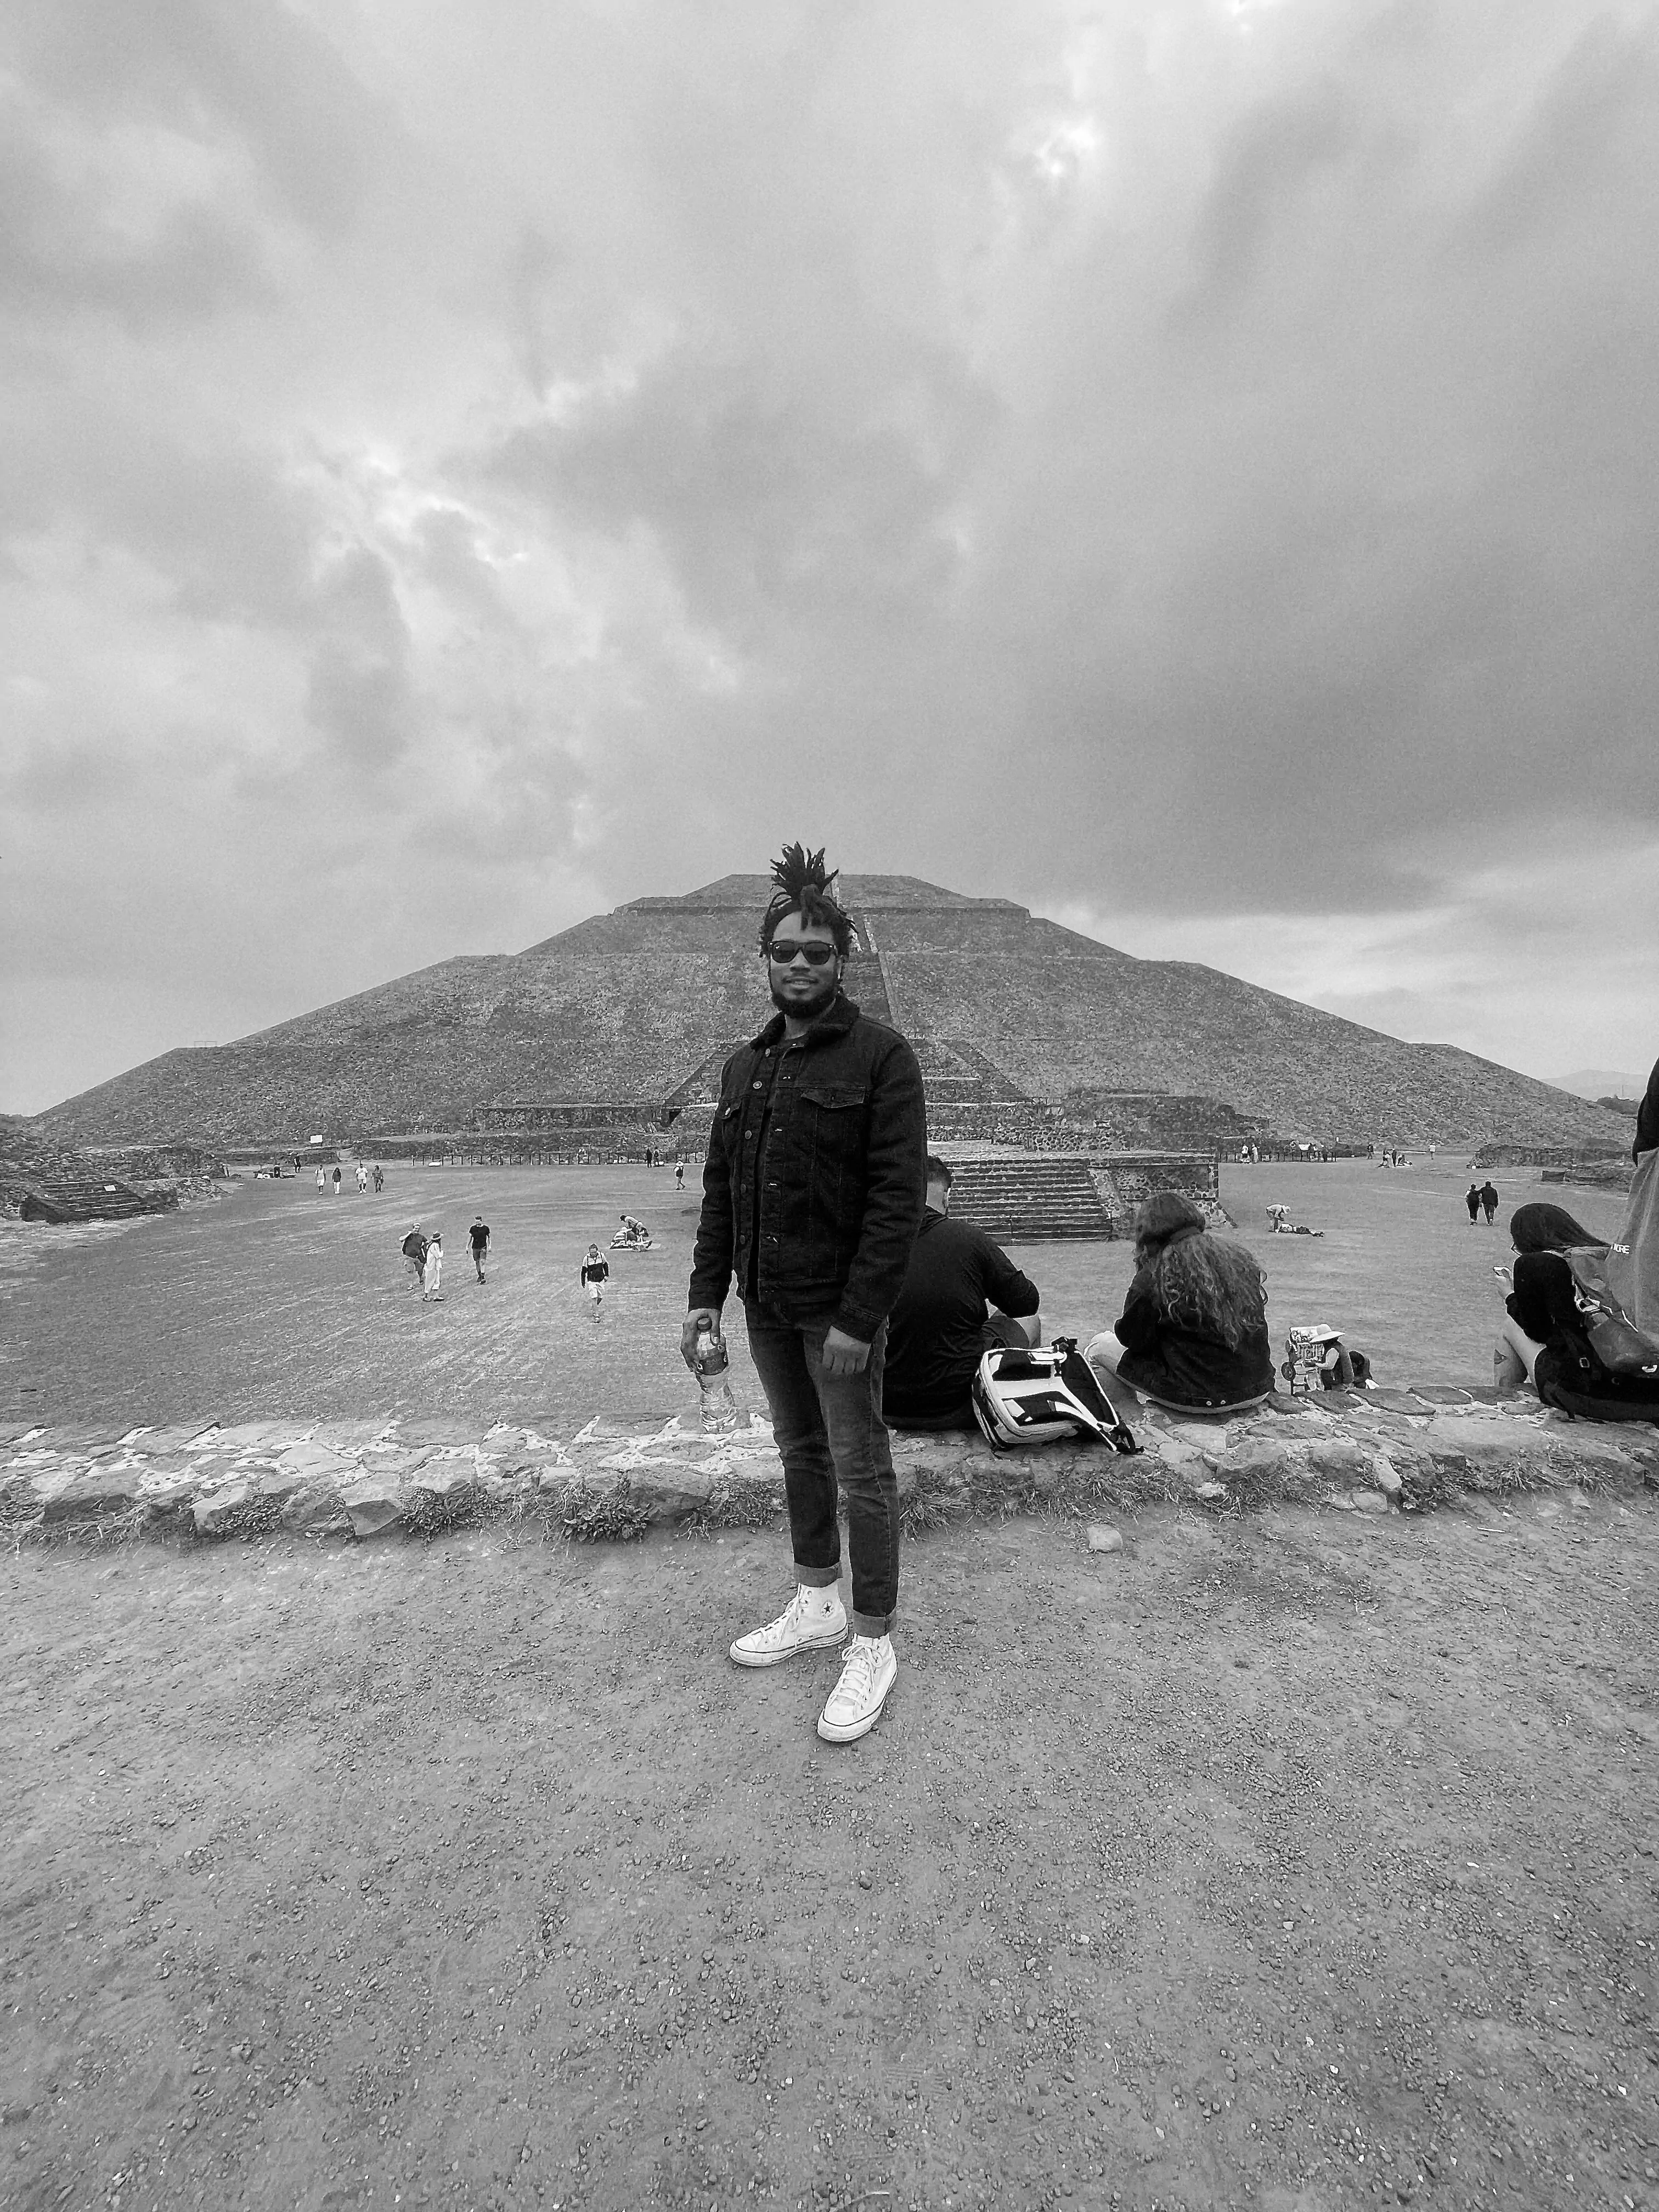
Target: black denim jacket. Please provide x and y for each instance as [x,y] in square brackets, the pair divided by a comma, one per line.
[825,1194]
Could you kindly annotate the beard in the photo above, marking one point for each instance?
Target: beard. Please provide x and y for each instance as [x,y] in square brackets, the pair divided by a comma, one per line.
[802,1006]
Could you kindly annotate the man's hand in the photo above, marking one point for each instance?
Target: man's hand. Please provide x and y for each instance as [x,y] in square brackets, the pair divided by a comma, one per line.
[700,1318]
[844,1354]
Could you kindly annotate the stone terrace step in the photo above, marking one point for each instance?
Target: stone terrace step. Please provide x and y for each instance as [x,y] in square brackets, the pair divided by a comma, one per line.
[1378,1452]
[1029,1200]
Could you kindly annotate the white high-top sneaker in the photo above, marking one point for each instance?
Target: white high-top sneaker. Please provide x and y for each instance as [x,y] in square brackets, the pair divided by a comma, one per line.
[855,1703]
[813,1618]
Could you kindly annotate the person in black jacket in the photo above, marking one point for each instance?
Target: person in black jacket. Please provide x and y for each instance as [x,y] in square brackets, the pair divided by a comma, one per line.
[812,1199]
[939,1330]
[1194,1328]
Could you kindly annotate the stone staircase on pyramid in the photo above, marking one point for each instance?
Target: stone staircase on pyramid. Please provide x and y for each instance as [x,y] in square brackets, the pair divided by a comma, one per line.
[63,1186]
[1023,1198]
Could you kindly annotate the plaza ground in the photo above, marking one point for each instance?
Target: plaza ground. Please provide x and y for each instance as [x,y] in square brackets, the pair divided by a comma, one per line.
[1285,1860]
[276,1301]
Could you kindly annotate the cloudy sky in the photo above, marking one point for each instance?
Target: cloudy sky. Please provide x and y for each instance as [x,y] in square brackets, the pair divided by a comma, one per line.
[1190,468]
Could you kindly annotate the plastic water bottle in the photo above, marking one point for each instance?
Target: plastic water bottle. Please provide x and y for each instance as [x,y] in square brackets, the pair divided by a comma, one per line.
[720,1407]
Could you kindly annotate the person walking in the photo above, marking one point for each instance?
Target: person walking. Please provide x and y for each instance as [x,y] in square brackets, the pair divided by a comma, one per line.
[812,1195]
[431,1279]
[414,1250]
[478,1239]
[336,1179]
[595,1273]
[1472,1200]
[1489,1200]
[322,1181]
[679,1175]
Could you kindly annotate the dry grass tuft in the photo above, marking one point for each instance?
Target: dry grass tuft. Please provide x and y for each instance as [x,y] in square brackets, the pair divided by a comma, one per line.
[603,1517]
[428,1513]
[735,1504]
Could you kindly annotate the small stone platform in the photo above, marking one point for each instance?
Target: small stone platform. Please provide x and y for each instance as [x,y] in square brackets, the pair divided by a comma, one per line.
[1372,1452]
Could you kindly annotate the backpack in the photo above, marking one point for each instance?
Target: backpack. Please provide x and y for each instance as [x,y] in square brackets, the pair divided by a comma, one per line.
[1039,1396]
[1623,1350]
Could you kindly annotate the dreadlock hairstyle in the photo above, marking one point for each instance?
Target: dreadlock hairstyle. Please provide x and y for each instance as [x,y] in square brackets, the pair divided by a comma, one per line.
[1205,1283]
[804,888]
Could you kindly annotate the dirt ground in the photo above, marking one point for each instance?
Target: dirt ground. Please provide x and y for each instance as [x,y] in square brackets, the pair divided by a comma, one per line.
[276,1302]
[1282,1863]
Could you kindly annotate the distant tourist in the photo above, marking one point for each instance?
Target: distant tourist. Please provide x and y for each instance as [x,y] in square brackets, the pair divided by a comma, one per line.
[679,1175]
[1472,1200]
[1489,1199]
[1194,1328]
[431,1281]
[336,1180]
[478,1239]
[322,1179]
[379,1178]
[818,1246]
[940,1328]
[595,1273]
[414,1250]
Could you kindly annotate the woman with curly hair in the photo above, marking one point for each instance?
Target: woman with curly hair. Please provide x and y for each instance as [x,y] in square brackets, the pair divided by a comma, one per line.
[1194,1328]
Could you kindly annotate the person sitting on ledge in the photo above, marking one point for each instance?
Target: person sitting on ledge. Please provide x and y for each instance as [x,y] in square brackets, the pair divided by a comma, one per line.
[939,1327]
[1543,1339]
[1193,1333]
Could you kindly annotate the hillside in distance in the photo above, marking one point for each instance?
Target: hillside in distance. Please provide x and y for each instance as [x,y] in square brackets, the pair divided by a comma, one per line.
[624,1005]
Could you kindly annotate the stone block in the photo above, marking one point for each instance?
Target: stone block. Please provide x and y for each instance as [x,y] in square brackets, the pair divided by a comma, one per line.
[217,1514]
[1253,1462]
[316,1510]
[1338,1459]
[434,1428]
[372,1505]
[1386,1477]
[1101,1539]
[1368,1501]
[308,1461]
[242,1436]
[94,1492]
[1396,1401]
[1481,1443]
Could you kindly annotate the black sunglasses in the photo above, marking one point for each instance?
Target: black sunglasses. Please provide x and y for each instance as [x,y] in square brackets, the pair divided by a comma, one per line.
[815,956]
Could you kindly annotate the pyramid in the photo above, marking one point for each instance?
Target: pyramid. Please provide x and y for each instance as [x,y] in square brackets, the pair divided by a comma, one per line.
[629,1011]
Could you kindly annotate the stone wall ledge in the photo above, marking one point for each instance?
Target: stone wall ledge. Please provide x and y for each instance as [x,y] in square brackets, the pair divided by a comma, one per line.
[1382,1451]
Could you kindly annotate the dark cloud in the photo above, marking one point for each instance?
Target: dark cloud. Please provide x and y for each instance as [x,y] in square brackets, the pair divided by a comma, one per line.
[1192,470]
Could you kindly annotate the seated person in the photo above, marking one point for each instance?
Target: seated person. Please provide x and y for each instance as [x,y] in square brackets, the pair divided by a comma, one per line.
[1543,1332]
[1194,1328]
[939,1327]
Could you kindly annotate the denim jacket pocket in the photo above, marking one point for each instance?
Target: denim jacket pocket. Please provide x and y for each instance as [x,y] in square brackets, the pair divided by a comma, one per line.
[831,1095]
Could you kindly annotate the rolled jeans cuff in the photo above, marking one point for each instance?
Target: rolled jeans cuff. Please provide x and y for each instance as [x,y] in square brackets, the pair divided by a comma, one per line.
[817,1578]
[872,1624]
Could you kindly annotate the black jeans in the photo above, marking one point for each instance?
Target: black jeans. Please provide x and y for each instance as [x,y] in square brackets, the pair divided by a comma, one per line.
[829,1430]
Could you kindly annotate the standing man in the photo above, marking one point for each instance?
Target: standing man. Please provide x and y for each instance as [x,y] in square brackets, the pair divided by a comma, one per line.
[477,1238]
[1489,1200]
[812,1199]
[414,1250]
